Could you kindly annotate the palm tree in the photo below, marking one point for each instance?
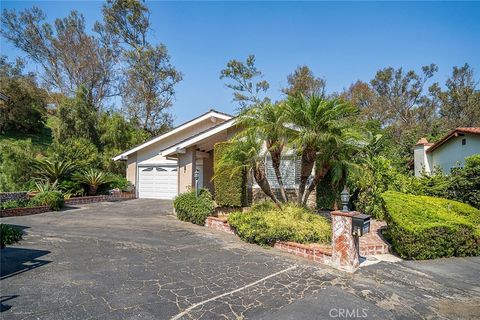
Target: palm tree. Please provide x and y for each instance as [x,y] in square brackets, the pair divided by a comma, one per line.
[93,178]
[266,121]
[320,133]
[52,170]
[246,154]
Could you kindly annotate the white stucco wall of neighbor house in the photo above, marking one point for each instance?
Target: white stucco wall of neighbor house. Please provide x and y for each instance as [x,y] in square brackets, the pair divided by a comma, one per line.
[422,159]
[452,153]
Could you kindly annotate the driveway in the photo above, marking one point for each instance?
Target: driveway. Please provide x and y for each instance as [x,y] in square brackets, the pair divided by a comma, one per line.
[134,260]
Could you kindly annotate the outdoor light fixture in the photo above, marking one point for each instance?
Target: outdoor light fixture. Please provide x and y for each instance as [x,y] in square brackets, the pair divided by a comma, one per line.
[196,175]
[345,197]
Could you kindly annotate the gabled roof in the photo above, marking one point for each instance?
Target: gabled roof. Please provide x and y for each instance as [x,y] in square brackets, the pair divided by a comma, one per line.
[197,137]
[452,134]
[205,116]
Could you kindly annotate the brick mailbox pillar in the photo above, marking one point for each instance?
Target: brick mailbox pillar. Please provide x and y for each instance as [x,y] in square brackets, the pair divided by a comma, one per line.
[344,245]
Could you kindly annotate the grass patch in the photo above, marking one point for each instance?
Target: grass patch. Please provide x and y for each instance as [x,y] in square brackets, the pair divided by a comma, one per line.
[265,224]
[422,227]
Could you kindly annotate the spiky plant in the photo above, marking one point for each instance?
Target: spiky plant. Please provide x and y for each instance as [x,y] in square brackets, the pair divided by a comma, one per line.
[93,178]
[45,185]
[52,170]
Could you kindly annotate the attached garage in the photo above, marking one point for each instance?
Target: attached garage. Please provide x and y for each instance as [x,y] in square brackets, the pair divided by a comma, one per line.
[157,182]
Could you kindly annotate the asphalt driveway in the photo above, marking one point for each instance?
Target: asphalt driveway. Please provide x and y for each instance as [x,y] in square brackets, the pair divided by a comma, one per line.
[134,260]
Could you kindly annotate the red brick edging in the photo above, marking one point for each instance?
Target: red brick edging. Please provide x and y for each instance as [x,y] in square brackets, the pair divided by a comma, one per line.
[14,212]
[370,244]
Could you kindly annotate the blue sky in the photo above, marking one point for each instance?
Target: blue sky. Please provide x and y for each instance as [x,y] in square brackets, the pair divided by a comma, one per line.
[340,41]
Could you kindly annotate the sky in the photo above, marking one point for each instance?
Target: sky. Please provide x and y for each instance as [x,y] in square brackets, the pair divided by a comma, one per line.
[340,41]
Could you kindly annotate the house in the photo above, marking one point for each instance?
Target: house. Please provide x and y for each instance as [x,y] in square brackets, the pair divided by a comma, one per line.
[447,153]
[165,166]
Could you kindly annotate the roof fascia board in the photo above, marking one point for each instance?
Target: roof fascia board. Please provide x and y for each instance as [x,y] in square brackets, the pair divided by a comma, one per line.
[207,115]
[182,145]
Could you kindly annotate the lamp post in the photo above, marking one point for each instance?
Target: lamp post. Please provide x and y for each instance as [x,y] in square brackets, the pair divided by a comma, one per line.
[345,197]
[196,175]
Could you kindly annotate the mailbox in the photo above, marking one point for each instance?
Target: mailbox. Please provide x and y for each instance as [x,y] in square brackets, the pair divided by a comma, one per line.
[360,224]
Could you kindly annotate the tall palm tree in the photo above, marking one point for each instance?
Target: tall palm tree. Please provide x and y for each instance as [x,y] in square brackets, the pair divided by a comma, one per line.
[319,134]
[266,122]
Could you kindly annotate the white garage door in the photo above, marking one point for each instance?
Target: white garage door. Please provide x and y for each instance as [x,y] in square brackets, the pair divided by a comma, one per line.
[157,182]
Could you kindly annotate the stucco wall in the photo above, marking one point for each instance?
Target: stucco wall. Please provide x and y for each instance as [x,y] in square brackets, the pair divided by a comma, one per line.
[186,167]
[452,153]
[422,159]
[132,169]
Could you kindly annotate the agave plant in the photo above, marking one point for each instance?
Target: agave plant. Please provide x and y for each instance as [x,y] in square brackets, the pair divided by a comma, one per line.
[93,178]
[51,170]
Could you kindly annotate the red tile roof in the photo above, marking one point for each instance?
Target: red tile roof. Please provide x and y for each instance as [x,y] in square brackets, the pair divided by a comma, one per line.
[452,134]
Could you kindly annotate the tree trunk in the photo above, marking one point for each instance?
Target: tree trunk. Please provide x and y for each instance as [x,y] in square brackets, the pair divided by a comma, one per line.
[319,175]
[276,154]
[92,190]
[308,161]
[261,179]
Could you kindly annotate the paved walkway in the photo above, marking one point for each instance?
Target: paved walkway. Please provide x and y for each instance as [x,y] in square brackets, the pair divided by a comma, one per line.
[133,260]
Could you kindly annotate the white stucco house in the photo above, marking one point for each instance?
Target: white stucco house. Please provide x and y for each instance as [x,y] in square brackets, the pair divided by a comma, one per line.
[447,153]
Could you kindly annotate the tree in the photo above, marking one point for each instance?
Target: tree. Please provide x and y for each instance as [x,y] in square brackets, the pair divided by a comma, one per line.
[148,87]
[15,165]
[266,121]
[459,104]
[78,118]
[400,94]
[69,57]
[320,133]
[242,76]
[303,81]
[26,105]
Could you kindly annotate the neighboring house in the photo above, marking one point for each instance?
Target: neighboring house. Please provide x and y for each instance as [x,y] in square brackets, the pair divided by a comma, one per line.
[164,166]
[447,153]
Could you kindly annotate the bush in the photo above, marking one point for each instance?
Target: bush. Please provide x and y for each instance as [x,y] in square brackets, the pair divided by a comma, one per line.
[190,208]
[465,183]
[10,204]
[230,189]
[53,199]
[15,164]
[423,227]
[9,235]
[265,224]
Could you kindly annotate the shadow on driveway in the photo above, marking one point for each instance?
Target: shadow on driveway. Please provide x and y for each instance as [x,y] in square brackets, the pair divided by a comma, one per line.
[18,260]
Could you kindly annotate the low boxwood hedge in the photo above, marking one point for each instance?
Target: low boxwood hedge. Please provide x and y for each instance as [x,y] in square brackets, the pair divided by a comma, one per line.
[190,208]
[265,224]
[422,227]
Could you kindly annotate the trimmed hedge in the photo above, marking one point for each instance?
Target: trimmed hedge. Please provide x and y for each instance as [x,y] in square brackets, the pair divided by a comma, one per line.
[190,208]
[9,235]
[53,199]
[265,223]
[423,227]
[230,190]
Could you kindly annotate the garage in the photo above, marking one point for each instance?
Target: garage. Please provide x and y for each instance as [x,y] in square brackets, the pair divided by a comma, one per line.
[157,182]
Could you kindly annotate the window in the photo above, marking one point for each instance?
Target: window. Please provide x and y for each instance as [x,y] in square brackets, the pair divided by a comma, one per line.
[290,170]
[464,141]
[148,169]
[161,169]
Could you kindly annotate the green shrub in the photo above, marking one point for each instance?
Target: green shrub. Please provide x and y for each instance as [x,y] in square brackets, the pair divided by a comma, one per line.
[423,227]
[190,208]
[10,204]
[9,235]
[265,224]
[53,199]
[230,189]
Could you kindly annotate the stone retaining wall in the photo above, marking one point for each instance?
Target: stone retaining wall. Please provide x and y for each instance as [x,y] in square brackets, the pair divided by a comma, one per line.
[92,199]
[6,196]
[219,224]
[314,252]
